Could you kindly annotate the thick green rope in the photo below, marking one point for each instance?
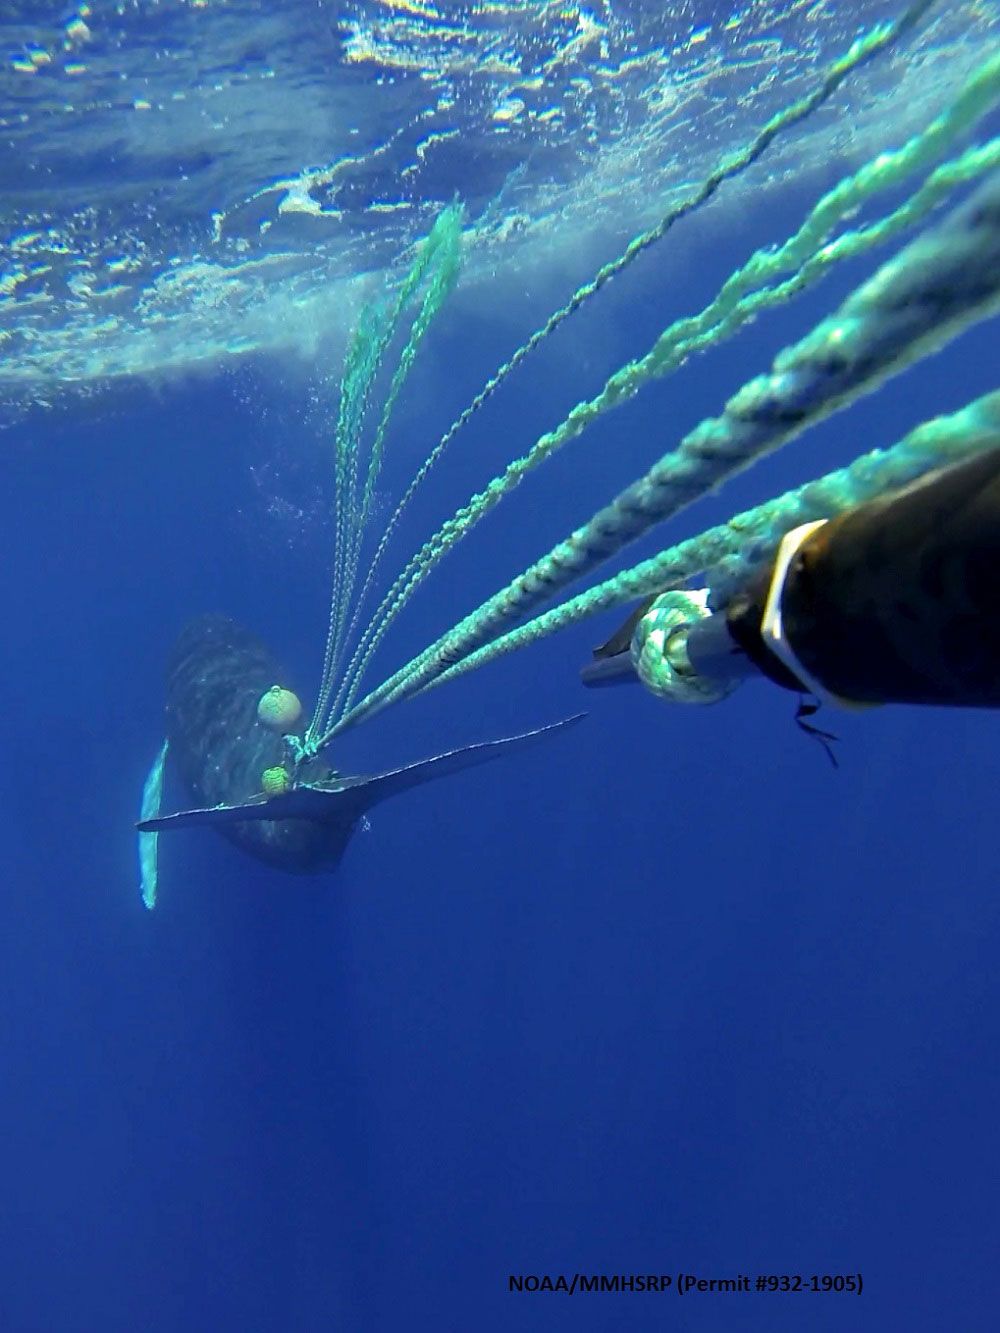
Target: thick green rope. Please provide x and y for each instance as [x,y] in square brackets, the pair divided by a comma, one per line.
[725,555]
[722,318]
[940,284]
[448,230]
[659,653]
[878,40]
[443,259]
[375,331]
[361,362]
[730,310]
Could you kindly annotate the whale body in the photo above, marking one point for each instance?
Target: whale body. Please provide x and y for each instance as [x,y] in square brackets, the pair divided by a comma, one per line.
[216,676]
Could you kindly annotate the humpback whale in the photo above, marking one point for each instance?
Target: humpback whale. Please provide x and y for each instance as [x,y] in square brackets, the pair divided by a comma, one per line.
[217,676]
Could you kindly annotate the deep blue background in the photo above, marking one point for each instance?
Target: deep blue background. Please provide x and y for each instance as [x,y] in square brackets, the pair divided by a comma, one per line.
[669,993]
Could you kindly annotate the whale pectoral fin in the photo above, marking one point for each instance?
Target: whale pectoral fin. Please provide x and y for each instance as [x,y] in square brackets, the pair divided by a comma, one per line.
[383,785]
[345,798]
[152,794]
[295,804]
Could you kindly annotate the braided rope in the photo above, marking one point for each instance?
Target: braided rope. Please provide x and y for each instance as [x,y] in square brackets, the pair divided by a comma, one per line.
[659,652]
[727,554]
[918,301]
[722,318]
[425,560]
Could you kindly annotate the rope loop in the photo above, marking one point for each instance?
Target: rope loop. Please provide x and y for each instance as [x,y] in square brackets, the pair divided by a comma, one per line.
[659,649]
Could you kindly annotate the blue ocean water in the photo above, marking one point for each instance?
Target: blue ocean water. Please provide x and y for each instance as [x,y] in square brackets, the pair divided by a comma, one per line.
[666,995]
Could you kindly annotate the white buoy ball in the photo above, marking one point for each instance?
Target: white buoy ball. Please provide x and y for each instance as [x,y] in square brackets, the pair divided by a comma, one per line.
[279,708]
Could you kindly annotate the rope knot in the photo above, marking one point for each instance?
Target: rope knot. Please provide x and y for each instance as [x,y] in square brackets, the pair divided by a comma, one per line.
[659,649]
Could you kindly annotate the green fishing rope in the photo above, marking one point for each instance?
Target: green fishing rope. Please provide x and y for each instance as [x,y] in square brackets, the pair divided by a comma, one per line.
[940,284]
[722,318]
[863,50]
[375,331]
[447,235]
[726,555]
